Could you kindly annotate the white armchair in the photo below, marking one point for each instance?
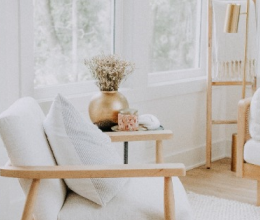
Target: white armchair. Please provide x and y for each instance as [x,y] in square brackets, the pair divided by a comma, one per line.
[248,140]
[48,198]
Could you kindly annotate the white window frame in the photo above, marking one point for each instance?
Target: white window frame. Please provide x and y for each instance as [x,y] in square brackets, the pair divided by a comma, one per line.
[134,46]
[191,73]
[131,44]
[73,89]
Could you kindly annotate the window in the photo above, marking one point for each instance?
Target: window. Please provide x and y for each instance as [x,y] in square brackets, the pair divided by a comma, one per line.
[164,38]
[178,40]
[175,35]
[65,33]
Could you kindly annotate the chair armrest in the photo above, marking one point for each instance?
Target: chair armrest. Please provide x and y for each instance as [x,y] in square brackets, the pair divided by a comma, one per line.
[96,171]
[36,173]
[242,132]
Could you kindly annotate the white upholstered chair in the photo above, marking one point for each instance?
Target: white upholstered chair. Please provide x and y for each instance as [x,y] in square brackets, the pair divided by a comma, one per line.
[248,140]
[48,197]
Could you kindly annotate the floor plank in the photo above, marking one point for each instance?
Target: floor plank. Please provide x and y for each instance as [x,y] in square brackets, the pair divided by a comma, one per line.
[221,182]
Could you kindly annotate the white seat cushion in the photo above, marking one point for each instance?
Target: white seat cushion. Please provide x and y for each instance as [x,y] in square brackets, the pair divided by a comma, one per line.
[75,141]
[141,199]
[25,141]
[252,152]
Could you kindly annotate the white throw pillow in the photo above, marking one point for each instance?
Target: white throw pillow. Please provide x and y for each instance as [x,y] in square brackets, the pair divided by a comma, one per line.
[254,124]
[23,135]
[75,141]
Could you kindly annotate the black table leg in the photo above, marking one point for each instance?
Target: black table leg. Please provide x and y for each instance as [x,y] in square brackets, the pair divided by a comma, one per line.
[126,152]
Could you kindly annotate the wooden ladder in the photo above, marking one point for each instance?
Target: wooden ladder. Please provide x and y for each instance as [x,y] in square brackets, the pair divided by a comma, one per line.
[210,84]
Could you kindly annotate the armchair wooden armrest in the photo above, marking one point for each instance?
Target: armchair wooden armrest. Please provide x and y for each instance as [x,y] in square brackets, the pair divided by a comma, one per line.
[36,173]
[96,171]
[243,133]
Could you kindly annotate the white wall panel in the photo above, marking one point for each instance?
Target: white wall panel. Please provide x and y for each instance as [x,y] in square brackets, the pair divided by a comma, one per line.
[9,53]
[13,24]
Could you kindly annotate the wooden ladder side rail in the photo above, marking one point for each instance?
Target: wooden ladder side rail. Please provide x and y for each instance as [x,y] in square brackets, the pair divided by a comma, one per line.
[36,173]
[209,88]
[245,50]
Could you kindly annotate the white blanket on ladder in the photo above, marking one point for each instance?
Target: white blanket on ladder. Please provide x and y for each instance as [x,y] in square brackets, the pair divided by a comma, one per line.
[228,49]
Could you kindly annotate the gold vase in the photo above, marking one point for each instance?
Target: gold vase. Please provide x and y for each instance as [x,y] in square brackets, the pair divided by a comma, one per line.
[104,108]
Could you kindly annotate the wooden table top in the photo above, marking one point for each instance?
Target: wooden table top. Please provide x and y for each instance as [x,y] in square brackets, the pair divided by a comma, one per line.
[122,136]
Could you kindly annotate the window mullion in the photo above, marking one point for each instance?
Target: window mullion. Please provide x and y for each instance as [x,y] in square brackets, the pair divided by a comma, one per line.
[74,45]
[203,38]
[135,34]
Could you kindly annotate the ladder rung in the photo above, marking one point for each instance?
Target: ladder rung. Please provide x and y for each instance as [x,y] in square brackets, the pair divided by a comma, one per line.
[230,83]
[218,122]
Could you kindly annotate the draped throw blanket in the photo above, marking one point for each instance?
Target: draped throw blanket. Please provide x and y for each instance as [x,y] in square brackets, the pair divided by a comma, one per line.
[229,49]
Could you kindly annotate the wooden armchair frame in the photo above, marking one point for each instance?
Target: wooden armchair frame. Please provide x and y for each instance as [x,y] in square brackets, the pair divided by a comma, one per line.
[36,173]
[244,169]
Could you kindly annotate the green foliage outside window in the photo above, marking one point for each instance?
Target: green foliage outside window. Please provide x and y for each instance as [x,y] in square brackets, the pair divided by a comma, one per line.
[55,51]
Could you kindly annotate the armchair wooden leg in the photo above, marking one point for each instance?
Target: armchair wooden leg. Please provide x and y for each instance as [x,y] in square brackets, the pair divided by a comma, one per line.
[258,193]
[30,200]
[169,204]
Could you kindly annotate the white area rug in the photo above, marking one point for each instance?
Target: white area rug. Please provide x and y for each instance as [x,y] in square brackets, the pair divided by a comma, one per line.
[213,208]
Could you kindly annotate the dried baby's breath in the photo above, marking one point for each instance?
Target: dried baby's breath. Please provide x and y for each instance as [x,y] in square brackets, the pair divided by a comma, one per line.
[109,71]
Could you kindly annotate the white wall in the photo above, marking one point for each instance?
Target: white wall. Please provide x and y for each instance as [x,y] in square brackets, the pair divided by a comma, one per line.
[180,107]
[9,86]
[13,63]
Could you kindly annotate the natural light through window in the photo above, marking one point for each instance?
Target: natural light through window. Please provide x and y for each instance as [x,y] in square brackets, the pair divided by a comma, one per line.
[65,33]
[175,35]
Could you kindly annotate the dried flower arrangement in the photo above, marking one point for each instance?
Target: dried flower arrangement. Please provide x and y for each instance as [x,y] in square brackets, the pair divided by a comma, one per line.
[109,71]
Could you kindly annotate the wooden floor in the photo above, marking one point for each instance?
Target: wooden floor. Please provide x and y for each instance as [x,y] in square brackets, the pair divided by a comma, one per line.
[221,182]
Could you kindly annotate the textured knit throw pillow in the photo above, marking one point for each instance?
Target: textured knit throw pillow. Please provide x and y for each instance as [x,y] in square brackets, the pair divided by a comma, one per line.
[75,141]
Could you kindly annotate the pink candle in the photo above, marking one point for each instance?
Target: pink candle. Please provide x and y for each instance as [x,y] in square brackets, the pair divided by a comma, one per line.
[128,120]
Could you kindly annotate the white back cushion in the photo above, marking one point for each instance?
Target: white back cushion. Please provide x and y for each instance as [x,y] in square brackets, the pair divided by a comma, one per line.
[75,141]
[22,132]
[254,124]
